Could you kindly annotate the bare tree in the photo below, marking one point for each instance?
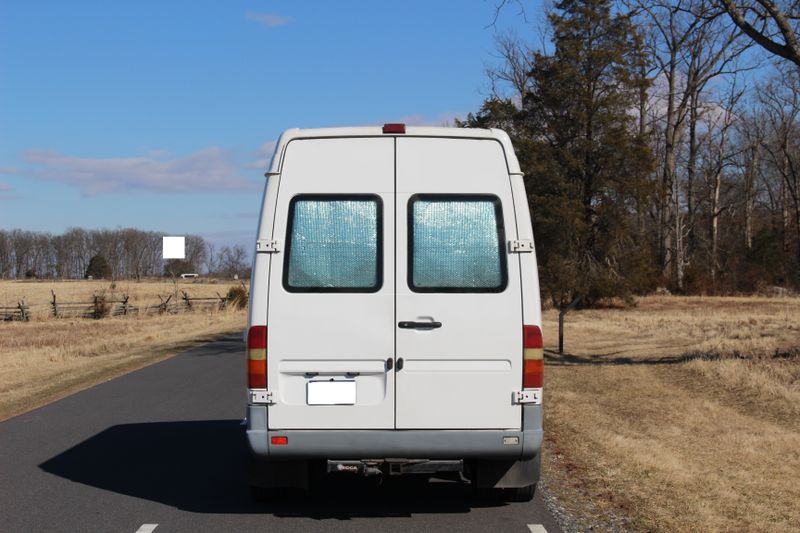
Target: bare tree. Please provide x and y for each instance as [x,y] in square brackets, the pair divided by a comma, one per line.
[231,261]
[771,24]
[690,48]
[6,255]
[781,105]
[195,250]
[513,68]
[719,157]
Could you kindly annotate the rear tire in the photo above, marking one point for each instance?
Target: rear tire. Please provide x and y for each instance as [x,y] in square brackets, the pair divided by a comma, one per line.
[263,494]
[519,494]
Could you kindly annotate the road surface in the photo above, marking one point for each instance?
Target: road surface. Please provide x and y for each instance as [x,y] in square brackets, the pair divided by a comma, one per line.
[161,449]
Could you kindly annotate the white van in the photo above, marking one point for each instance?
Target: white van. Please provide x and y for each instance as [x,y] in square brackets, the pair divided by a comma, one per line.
[395,318]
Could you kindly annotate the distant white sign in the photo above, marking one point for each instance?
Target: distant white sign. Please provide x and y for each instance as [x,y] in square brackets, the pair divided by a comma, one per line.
[174,248]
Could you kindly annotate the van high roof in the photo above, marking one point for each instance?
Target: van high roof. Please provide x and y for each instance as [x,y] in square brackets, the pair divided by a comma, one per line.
[377,131]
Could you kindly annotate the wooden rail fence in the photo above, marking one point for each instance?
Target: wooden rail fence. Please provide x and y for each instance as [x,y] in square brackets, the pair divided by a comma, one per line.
[101,306]
[17,312]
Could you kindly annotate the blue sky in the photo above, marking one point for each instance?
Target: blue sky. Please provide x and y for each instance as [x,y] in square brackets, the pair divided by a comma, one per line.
[160,115]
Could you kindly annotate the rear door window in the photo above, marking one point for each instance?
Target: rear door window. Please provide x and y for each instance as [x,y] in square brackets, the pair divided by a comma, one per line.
[456,244]
[334,244]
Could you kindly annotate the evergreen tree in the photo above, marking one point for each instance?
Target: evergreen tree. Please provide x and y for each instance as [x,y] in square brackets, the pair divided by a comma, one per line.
[586,165]
[98,268]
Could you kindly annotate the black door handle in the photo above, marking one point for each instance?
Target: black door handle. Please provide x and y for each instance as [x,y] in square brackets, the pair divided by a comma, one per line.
[389,363]
[399,364]
[418,325]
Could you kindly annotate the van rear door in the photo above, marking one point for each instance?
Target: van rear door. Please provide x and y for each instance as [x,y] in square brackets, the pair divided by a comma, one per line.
[330,309]
[459,305]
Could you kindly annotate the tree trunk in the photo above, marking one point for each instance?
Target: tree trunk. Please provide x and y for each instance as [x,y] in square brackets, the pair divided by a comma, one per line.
[715,212]
[690,174]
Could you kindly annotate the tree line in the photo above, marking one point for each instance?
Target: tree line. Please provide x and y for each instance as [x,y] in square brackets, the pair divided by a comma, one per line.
[660,141]
[115,254]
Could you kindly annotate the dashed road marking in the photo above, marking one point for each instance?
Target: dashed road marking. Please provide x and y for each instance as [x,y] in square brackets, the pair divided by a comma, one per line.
[148,528]
[537,528]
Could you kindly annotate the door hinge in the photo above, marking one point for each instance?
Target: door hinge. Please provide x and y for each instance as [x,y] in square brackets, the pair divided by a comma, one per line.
[264,246]
[533,396]
[521,246]
[261,397]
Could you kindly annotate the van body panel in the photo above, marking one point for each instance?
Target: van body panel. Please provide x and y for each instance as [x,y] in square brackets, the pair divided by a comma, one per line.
[407,444]
[261,264]
[532,308]
[461,375]
[332,336]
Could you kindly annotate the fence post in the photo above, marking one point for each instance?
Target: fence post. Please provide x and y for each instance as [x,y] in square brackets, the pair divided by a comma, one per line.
[23,310]
[186,300]
[125,304]
[54,304]
[561,314]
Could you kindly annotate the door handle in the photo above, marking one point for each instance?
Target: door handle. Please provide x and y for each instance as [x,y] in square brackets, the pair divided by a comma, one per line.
[389,363]
[399,364]
[406,324]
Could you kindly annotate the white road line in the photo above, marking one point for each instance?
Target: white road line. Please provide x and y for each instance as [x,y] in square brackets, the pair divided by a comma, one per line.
[148,528]
[537,528]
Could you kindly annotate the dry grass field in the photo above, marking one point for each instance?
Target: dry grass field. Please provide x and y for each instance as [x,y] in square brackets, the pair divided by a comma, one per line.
[679,414]
[46,359]
[682,413]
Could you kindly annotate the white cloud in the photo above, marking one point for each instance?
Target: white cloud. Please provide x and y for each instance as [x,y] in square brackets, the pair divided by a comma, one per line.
[264,153]
[6,192]
[269,20]
[209,169]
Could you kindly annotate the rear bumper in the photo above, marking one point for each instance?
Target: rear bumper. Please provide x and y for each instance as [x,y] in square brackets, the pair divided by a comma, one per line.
[408,444]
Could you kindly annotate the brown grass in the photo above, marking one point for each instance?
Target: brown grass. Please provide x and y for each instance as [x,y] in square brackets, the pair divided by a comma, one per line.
[46,359]
[678,414]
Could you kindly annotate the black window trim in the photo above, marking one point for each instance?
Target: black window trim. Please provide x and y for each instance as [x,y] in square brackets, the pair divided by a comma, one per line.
[379,244]
[501,240]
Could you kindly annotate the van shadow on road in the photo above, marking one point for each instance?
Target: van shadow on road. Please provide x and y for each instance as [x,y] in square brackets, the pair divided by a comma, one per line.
[199,466]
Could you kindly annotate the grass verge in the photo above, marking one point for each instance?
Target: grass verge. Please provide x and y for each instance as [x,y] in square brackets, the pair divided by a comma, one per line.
[678,414]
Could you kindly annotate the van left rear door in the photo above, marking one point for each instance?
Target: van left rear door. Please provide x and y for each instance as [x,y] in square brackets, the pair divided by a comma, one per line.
[331,296]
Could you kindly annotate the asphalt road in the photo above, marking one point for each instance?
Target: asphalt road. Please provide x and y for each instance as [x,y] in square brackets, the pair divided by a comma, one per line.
[163,445]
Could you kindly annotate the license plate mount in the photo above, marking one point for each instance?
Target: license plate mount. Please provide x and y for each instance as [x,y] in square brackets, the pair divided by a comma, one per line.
[331,392]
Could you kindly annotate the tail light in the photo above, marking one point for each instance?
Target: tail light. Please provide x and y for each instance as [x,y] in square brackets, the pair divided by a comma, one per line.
[257,357]
[533,357]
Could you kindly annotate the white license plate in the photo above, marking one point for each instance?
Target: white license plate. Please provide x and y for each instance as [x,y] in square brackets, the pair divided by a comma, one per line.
[331,392]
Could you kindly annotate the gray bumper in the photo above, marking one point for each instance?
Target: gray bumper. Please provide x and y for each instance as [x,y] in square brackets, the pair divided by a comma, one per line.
[408,444]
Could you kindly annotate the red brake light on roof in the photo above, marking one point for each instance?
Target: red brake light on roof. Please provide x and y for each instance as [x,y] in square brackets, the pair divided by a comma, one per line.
[533,357]
[394,128]
[257,357]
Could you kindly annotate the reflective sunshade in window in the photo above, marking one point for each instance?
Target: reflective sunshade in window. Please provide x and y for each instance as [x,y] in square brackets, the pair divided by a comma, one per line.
[456,244]
[334,244]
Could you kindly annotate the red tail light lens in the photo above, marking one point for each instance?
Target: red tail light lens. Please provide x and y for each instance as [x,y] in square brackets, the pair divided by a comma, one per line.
[532,337]
[533,357]
[280,441]
[257,357]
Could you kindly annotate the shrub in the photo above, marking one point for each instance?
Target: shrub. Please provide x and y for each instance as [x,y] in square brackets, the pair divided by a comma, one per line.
[237,297]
